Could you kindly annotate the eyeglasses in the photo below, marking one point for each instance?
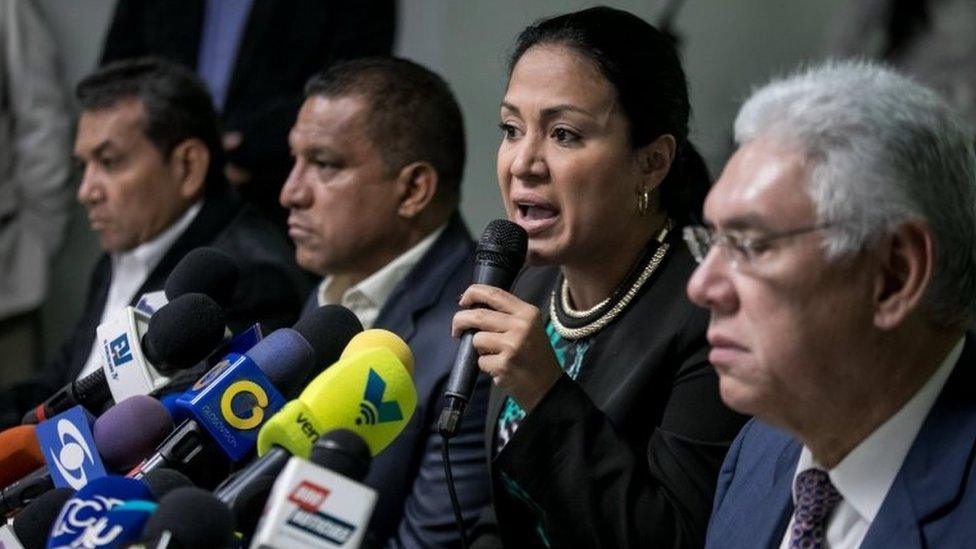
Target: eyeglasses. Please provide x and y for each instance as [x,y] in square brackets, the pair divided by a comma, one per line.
[742,250]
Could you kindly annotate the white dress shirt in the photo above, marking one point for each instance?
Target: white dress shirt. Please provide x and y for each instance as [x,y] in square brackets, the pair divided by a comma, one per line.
[367,298]
[865,475]
[130,270]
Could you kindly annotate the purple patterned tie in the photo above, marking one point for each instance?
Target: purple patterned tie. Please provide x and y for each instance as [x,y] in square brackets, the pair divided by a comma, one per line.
[816,497]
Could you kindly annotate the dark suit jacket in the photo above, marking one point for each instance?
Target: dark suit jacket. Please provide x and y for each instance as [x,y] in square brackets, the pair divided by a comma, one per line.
[932,502]
[283,44]
[270,290]
[414,509]
[626,455]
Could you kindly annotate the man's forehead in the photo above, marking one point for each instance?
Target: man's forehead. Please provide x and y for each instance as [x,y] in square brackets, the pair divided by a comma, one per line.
[116,123]
[763,186]
[328,118]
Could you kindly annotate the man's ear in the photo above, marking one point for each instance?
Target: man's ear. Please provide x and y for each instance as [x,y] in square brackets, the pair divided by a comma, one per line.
[654,160]
[907,258]
[417,183]
[189,163]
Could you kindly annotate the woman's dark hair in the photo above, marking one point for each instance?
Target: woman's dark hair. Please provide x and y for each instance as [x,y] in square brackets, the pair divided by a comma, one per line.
[643,66]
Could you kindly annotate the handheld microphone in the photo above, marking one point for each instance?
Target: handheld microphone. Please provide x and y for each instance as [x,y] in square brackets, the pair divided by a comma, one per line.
[320,503]
[20,453]
[231,402]
[368,391]
[90,504]
[497,261]
[115,439]
[33,523]
[190,517]
[118,527]
[186,330]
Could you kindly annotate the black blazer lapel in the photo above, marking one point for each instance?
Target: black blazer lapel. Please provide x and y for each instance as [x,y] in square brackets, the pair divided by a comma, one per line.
[216,213]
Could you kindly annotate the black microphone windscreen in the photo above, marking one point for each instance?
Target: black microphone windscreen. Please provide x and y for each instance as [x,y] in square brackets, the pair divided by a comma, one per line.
[250,502]
[33,523]
[193,517]
[183,332]
[206,271]
[162,481]
[503,244]
[328,329]
[343,452]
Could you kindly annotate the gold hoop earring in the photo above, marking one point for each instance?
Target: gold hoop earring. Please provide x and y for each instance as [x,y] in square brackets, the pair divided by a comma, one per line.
[643,201]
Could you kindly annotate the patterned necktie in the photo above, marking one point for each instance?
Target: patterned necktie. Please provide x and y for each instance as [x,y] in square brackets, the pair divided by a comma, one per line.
[816,497]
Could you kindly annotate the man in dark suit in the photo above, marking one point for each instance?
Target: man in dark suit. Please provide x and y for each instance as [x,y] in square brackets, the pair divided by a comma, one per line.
[373,196]
[154,189]
[840,271]
[255,56]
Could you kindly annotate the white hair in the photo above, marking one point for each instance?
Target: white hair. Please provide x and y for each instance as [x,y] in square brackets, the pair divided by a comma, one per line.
[883,149]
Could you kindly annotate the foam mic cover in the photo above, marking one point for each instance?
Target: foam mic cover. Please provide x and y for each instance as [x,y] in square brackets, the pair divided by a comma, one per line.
[369,391]
[183,332]
[164,480]
[497,261]
[90,504]
[328,330]
[20,453]
[129,431]
[206,271]
[192,517]
[343,452]
[33,523]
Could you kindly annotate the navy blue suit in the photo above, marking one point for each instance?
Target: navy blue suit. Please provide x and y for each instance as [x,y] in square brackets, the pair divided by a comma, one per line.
[414,509]
[932,502]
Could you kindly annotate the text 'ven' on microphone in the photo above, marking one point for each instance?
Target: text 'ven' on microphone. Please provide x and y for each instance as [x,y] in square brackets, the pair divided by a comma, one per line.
[230,403]
[134,351]
[497,261]
[369,391]
[320,503]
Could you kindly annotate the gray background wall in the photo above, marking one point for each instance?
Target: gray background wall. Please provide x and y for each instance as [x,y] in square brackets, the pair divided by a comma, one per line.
[729,46]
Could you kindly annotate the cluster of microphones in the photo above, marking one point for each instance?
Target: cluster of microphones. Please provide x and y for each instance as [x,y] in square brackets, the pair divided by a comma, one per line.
[191,436]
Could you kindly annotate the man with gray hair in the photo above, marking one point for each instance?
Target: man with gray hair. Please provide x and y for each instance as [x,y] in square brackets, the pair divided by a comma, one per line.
[842,284]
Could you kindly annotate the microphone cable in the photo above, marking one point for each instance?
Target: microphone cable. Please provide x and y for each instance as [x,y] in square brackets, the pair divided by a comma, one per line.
[455,504]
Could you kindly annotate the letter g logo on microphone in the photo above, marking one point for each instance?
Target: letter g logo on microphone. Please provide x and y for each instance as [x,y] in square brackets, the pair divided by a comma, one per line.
[254,396]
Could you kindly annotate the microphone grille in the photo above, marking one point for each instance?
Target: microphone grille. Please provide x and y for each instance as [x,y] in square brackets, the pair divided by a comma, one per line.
[206,271]
[503,244]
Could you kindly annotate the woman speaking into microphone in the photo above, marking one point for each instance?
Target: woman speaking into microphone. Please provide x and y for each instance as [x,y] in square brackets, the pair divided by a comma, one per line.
[605,426]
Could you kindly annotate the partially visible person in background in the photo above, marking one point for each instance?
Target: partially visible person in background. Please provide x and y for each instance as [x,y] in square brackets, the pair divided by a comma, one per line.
[154,189]
[35,134]
[933,41]
[255,57]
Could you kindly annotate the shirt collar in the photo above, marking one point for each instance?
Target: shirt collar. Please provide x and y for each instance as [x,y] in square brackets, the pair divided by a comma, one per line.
[377,287]
[864,476]
[144,257]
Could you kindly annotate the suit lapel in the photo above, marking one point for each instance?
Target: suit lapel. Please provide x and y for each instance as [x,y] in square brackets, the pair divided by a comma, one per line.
[415,294]
[937,465]
[216,213]
[771,527]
